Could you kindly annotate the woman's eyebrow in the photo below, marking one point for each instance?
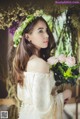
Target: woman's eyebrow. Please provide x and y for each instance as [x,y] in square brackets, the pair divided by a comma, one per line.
[41,28]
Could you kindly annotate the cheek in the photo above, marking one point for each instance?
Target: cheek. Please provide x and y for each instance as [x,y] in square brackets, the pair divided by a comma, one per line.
[38,42]
[38,39]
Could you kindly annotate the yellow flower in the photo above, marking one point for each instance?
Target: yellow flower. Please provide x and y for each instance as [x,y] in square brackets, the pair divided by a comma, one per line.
[68,73]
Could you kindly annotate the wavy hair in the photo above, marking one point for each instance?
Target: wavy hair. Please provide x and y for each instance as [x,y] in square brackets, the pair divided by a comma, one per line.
[26,49]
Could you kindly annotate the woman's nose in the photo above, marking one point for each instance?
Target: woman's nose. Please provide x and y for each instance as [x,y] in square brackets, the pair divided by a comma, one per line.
[46,35]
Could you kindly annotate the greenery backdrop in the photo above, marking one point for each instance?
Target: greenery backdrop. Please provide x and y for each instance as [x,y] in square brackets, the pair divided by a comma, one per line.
[13,10]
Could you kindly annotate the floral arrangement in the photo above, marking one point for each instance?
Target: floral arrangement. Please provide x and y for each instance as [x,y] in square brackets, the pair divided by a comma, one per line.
[65,69]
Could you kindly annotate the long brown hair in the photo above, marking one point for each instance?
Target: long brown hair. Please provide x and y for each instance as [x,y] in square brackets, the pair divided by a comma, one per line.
[26,49]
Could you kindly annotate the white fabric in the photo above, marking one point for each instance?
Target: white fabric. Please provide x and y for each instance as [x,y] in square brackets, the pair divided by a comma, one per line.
[37,101]
[70,109]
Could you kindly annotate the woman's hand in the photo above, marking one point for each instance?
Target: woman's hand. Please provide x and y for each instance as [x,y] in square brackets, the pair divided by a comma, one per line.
[67,95]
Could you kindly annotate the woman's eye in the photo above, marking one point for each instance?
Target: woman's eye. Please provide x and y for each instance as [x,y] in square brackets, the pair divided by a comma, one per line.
[41,31]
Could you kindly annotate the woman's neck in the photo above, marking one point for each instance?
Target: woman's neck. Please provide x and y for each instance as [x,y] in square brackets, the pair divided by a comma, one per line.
[37,53]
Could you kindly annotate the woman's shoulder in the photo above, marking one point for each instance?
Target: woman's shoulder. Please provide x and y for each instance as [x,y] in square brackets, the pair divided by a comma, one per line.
[37,64]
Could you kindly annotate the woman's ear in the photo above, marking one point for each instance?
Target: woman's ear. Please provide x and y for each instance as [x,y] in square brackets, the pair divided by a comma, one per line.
[27,36]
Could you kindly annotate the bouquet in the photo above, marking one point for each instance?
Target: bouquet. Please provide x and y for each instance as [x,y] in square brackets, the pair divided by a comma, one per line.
[65,69]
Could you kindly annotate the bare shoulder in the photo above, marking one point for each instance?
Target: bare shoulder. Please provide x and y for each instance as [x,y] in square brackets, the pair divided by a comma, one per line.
[37,65]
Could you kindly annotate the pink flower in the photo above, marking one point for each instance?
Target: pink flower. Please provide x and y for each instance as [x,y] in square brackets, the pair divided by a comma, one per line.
[52,60]
[70,61]
[62,58]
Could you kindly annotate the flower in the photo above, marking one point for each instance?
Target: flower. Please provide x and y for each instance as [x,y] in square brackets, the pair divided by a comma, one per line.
[62,58]
[52,60]
[65,69]
[70,61]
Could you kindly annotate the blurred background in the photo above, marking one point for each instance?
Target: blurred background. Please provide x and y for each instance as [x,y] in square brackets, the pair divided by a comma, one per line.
[66,32]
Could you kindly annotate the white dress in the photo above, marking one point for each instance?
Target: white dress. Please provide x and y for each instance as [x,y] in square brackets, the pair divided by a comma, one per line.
[37,101]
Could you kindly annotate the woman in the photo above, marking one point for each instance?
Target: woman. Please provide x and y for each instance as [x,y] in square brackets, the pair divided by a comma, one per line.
[35,81]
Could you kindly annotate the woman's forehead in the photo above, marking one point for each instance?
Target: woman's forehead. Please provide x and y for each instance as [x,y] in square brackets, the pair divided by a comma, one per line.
[40,25]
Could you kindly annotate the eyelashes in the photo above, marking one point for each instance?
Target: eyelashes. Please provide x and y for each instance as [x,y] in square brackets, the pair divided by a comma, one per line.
[41,31]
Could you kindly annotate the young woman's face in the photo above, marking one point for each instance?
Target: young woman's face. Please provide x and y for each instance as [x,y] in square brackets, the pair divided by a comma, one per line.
[39,36]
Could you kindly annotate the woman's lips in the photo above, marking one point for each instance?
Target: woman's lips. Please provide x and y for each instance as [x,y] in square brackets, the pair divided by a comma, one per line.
[45,42]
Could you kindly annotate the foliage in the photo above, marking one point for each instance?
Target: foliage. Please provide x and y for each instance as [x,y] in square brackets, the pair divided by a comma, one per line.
[65,34]
[14,10]
[10,15]
[65,69]
[62,34]
[73,16]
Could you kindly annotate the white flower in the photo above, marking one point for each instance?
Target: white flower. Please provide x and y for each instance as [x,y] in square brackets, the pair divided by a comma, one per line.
[70,61]
[52,60]
[62,58]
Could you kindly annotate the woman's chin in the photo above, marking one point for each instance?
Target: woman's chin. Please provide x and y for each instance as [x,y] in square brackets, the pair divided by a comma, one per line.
[45,46]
